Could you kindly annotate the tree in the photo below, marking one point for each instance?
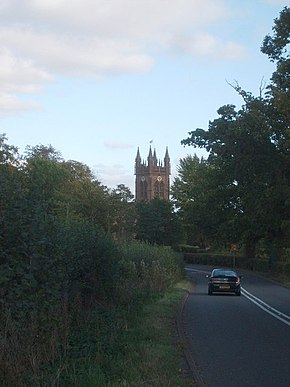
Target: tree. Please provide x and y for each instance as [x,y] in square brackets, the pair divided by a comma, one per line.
[42,152]
[8,153]
[85,197]
[123,193]
[249,151]
[275,46]
[49,256]
[205,199]
[12,201]
[277,49]
[122,212]
[278,98]
[187,192]
[157,223]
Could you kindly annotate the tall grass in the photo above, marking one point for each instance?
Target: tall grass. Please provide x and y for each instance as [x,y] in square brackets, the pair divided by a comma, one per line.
[145,270]
[80,337]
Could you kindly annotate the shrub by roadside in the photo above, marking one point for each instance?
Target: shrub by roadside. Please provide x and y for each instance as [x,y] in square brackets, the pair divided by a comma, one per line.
[77,336]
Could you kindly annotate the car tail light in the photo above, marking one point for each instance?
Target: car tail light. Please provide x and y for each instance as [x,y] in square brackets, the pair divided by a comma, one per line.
[237,280]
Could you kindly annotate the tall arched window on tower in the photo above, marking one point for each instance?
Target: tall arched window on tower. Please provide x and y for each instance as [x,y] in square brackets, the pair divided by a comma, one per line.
[143,189]
[159,188]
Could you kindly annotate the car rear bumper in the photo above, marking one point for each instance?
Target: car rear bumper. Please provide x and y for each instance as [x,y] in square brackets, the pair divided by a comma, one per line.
[224,288]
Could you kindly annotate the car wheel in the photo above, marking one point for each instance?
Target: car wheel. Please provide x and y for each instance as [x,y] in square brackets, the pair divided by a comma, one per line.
[238,292]
[209,292]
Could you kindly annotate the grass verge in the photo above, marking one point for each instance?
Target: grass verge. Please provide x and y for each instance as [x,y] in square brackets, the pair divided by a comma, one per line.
[136,348]
[147,352]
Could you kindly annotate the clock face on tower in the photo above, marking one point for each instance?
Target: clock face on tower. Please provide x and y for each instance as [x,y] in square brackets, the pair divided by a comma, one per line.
[159,178]
[143,178]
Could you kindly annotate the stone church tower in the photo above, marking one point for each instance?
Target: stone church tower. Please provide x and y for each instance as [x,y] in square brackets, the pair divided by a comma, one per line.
[152,177]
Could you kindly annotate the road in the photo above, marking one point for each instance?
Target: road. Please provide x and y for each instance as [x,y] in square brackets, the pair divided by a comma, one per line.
[238,341]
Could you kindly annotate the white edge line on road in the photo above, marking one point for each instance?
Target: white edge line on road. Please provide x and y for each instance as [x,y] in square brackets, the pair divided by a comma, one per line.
[261,304]
[267,308]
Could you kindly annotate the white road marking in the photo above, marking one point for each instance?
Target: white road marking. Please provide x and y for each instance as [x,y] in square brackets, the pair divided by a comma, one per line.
[261,304]
[267,308]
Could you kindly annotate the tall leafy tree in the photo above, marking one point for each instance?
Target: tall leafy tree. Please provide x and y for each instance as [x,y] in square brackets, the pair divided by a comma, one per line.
[122,212]
[157,223]
[11,200]
[123,193]
[205,198]
[276,46]
[248,149]
[8,153]
[42,152]
[85,197]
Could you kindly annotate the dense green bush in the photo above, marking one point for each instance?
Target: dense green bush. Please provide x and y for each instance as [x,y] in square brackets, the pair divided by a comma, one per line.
[62,305]
[145,270]
[66,287]
[209,259]
[261,265]
[45,292]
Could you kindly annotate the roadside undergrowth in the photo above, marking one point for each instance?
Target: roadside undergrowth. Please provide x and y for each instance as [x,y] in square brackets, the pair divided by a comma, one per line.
[140,348]
[147,351]
[112,324]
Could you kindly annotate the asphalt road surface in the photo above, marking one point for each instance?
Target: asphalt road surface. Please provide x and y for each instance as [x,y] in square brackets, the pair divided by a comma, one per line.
[238,341]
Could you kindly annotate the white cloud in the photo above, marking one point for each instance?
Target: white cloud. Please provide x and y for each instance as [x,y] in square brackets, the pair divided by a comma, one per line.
[20,75]
[10,104]
[112,175]
[125,18]
[46,38]
[73,55]
[206,45]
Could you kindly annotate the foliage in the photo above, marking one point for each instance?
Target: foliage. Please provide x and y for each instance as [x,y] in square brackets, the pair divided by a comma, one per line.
[157,223]
[145,270]
[42,152]
[123,193]
[278,96]
[244,190]
[276,46]
[50,270]
[143,354]
[122,213]
[65,283]
[196,192]
[226,260]
[8,153]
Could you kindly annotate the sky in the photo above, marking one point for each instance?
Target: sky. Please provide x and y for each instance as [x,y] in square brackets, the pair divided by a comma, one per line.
[97,79]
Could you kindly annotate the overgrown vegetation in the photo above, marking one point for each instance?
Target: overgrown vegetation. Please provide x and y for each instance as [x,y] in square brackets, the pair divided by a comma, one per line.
[66,285]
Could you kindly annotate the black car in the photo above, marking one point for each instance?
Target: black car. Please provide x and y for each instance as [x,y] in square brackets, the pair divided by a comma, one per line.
[224,280]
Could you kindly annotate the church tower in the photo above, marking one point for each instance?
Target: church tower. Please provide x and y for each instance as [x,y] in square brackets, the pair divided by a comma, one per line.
[152,177]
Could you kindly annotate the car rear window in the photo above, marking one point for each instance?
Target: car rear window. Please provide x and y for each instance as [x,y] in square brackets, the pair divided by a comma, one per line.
[223,273]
